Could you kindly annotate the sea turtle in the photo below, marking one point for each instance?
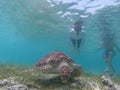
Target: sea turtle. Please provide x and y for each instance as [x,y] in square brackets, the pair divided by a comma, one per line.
[59,63]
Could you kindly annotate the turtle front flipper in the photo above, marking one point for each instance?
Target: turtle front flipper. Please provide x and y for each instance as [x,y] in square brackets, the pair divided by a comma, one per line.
[45,68]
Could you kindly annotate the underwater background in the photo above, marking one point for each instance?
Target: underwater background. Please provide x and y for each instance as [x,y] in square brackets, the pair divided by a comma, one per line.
[31,29]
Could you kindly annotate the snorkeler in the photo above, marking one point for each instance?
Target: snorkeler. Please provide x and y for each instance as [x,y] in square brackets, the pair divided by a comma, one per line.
[109,45]
[76,37]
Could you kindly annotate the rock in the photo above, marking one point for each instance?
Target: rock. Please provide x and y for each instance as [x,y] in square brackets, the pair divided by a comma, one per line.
[92,85]
[3,82]
[8,81]
[108,84]
[18,87]
[106,81]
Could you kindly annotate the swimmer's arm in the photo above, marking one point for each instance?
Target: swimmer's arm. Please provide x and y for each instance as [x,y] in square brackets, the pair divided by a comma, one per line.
[101,45]
[117,47]
[69,41]
[83,41]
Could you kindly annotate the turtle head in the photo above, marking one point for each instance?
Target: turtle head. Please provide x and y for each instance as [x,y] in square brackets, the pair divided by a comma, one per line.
[64,72]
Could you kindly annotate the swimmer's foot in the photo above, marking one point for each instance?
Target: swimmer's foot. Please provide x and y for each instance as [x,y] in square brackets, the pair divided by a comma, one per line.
[109,73]
[78,51]
[73,51]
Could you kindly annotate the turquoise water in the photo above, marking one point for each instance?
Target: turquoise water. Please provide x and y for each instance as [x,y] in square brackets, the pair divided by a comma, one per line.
[30,29]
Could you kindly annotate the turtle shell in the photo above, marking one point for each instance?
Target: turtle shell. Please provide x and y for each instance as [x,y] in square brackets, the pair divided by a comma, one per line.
[54,58]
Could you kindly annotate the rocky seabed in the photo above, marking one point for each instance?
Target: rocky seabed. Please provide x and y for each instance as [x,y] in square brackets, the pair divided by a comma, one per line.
[105,84]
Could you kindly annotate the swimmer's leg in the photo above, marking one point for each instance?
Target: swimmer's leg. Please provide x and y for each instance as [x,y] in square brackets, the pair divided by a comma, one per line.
[110,69]
[78,45]
[73,45]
